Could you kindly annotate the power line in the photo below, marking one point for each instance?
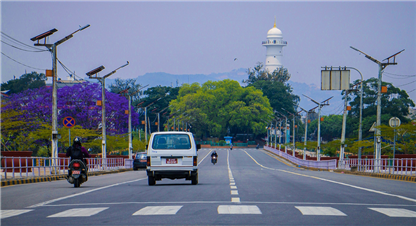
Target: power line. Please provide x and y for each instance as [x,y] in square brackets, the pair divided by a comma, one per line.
[407,84]
[21,63]
[19,42]
[23,49]
[399,75]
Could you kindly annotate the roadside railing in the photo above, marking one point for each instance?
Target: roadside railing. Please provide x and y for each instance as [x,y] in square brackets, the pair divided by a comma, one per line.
[324,164]
[403,166]
[12,167]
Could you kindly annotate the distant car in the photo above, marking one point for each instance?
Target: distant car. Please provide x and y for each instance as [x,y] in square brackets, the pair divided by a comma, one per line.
[140,161]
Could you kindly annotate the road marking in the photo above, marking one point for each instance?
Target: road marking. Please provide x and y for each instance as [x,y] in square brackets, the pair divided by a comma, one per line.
[335,182]
[235,199]
[319,211]
[233,187]
[238,209]
[232,183]
[204,157]
[83,193]
[79,212]
[395,212]
[234,192]
[158,210]
[12,213]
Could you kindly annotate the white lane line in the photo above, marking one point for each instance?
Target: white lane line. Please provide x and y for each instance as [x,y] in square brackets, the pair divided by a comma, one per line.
[12,213]
[395,212]
[204,157]
[79,212]
[82,193]
[232,183]
[235,199]
[158,210]
[234,192]
[319,211]
[233,187]
[238,209]
[336,182]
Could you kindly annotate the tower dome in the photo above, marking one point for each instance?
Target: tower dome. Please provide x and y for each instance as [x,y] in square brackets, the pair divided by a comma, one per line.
[274,32]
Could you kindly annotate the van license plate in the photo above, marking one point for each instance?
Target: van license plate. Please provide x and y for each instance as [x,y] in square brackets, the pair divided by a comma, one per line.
[76,172]
[171,161]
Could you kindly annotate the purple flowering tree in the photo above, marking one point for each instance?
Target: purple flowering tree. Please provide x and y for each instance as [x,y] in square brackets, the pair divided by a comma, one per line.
[77,101]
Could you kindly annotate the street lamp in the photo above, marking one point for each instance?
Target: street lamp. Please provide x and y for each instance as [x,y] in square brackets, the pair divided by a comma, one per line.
[93,75]
[129,132]
[306,129]
[320,105]
[52,48]
[286,131]
[381,67]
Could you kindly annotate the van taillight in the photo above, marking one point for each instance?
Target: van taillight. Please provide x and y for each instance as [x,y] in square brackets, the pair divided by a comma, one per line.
[195,160]
[148,160]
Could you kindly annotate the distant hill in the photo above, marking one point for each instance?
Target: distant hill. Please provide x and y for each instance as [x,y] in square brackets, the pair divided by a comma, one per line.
[313,91]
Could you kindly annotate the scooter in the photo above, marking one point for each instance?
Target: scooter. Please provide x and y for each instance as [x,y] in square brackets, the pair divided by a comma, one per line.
[214,159]
[77,172]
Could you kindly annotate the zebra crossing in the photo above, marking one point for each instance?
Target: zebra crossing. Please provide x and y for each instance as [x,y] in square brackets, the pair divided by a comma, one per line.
[221,209]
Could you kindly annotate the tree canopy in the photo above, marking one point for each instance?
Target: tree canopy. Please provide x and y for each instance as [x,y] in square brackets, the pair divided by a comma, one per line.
[222,107]
[31,80]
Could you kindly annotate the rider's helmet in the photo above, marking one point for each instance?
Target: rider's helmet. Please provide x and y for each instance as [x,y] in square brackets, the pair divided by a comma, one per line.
[77,140]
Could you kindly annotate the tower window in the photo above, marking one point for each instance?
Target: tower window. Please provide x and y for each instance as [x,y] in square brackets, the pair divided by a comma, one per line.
[274,56]
[274,41]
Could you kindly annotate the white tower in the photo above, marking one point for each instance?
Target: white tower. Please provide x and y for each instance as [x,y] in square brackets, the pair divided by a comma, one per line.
[274,45]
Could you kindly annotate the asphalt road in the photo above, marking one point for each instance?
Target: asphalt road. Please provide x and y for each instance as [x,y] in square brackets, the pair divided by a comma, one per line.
[245,187]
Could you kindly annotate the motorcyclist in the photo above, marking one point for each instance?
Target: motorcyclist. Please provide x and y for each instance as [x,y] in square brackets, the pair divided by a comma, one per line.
[214,154]
[72,150]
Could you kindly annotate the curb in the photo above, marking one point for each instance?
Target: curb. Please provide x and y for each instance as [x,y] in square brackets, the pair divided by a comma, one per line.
[16,181]
[357,173]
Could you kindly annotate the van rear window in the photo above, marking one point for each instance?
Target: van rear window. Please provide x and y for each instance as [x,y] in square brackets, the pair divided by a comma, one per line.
[171,141]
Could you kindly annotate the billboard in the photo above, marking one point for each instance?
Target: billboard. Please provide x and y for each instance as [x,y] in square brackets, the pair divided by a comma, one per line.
[335,79]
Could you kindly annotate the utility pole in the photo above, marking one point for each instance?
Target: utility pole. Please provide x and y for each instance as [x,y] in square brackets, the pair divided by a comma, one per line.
[294,125]
[93,75]
[129,132]
[293,152]
[53,48]
[381,67]
[306,130]
[320,105]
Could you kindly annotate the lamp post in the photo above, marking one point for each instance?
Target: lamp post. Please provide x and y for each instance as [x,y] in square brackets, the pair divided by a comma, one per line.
[93,75]
[381,67]
[320,105]
[129,129]
[53,48]
[286,130]
[306,129]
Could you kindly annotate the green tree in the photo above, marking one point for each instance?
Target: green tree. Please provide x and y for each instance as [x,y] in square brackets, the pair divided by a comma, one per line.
[130,85]
[221,107]
[330,128]
[394,103]
[259,73]
[31,80]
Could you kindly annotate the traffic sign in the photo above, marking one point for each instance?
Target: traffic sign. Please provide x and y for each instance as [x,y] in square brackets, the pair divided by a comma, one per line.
[69,122]
[394,122]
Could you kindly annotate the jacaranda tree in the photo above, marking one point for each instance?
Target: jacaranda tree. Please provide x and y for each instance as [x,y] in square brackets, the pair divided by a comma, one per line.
[78,101]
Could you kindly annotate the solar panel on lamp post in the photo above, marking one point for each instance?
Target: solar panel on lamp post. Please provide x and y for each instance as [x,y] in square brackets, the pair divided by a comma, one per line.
[53,48]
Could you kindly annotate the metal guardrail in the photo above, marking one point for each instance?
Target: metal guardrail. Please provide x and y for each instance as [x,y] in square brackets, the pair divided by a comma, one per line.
[396,166]
[403,166]
[323,164]
[12,167]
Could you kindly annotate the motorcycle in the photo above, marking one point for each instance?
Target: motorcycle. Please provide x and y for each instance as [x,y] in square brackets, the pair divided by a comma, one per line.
[77,172]
[257,147]
[214,159]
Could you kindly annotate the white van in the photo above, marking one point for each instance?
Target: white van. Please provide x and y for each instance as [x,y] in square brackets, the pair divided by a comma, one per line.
[172,155]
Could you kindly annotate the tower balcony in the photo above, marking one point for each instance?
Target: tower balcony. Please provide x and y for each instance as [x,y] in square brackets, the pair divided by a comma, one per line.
[274,42]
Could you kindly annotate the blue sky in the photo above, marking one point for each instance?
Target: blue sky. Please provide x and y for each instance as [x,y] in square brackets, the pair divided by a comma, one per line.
[205,37]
